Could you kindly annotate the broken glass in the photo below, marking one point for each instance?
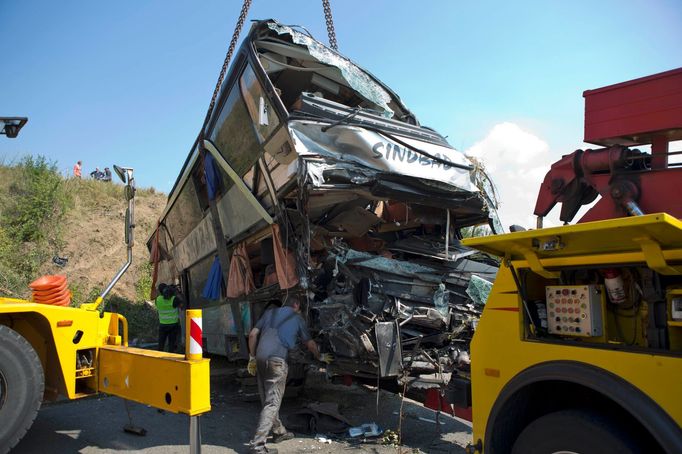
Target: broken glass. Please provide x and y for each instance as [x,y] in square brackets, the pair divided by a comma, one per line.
[483,182]
[358,79]
[479,289]
[440,300]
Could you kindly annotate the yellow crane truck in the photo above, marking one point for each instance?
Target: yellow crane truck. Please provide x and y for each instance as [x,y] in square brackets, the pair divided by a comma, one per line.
[579,348]
[47,351]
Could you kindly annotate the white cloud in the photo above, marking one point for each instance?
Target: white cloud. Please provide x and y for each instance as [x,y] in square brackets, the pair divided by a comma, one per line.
[517,162]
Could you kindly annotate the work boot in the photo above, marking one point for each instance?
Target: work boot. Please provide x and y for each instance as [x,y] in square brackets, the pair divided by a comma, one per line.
[262,450]
[278,438]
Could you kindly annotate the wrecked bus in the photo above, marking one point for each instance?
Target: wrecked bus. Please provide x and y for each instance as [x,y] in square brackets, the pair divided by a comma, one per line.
[313,180]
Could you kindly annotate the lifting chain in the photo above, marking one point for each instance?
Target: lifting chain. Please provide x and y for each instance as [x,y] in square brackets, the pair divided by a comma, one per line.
[330,24]
[233,43]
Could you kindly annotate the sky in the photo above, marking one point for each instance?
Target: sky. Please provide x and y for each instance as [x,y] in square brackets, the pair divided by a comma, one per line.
[130,82]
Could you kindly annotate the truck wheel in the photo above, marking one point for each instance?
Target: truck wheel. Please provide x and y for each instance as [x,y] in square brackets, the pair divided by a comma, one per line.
[574,431]
[21,387]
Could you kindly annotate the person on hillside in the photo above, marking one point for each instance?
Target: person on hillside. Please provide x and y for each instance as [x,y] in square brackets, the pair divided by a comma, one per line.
[280,330]
[77,169]
[107,175]
[96,174]
[168,304]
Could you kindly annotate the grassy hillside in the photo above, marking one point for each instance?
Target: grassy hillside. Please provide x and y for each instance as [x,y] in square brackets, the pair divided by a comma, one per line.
[43,216]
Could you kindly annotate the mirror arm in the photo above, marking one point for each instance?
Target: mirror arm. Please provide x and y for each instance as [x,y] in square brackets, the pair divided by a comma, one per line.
[130,226]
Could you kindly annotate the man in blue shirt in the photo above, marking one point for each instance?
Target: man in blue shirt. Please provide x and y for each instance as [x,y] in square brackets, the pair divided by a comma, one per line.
[280,329]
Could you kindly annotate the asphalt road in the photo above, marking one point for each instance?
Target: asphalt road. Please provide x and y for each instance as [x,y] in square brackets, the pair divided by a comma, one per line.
[95,425]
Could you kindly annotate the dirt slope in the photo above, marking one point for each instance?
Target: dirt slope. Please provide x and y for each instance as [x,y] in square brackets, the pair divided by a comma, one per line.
[93,237]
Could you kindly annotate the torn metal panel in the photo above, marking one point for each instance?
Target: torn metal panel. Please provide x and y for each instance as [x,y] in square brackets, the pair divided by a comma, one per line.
[356,77]
[430,247]
[379,263]
[355,222]
[375,151]
[389,348]
[482,266]
[320,202]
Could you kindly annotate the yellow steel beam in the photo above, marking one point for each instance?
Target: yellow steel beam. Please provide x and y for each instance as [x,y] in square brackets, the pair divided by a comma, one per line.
[655,258]
[536,265]
[162,380]
[591,238]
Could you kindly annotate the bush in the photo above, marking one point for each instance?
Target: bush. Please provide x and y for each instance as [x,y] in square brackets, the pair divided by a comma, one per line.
[37,201]
[143,320]
[80,296]
[29,221]
[143,286]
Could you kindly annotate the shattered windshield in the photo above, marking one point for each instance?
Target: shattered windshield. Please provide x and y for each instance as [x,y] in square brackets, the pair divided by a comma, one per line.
[487,188]
[356,77]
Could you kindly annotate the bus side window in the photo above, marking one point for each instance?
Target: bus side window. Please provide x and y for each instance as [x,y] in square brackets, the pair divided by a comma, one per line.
[257,103]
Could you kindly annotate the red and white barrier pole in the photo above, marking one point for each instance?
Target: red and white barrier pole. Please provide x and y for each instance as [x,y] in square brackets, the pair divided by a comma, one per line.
[193,334]
[193,352]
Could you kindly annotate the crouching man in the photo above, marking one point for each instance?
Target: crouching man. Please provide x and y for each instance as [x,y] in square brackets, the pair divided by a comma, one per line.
[280,329]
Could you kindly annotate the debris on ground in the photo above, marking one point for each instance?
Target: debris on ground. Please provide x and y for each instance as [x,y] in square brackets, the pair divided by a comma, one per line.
[323,439]
[365,430]
[317,417]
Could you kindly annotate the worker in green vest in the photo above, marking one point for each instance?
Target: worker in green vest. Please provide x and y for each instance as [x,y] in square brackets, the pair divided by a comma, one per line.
[168,304]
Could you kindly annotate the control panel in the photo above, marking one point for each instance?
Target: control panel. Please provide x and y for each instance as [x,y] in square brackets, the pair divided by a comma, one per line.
[676,308]
[575,310]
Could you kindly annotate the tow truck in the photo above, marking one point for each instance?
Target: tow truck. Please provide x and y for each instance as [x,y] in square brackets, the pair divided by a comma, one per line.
[579,348]
[47,351]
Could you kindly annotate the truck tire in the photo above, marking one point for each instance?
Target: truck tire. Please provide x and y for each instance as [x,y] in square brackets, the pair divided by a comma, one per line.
[22,384]
[574,431]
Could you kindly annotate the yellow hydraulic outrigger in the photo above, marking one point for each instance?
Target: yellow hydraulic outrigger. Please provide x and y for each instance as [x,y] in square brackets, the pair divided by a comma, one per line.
[47,351]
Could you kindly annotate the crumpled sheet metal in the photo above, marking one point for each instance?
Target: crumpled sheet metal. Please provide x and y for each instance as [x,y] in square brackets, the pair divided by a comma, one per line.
[315,170]
[348,319]
[479,289]
[379,263]
[368,149]
[356,78]
[486,186]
